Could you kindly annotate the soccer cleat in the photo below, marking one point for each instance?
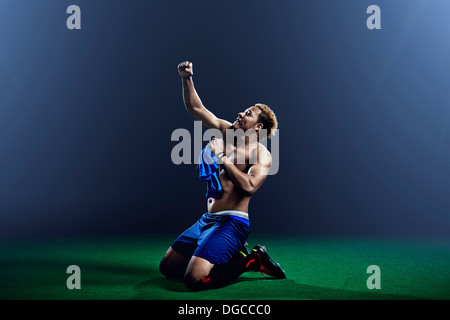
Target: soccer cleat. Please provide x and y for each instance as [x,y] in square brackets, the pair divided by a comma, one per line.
[266,265]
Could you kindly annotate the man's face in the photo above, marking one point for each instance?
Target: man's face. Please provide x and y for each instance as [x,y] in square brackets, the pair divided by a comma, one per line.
[247,119]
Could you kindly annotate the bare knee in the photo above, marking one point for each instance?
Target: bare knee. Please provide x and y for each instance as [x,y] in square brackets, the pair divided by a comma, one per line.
[190,280]
[172,264]
[165,267]
[197,273]
[195,282]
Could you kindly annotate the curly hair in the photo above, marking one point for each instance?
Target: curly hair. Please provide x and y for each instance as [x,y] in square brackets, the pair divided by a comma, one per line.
[268,119]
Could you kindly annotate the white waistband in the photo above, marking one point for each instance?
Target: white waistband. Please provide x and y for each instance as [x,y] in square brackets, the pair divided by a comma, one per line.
[237,213]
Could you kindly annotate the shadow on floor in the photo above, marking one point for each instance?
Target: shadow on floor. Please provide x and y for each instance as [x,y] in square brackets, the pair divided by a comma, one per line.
[169,284]
[272,289]
[100,273]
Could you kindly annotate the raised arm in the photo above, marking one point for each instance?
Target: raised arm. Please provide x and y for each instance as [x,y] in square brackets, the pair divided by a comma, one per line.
[192,102]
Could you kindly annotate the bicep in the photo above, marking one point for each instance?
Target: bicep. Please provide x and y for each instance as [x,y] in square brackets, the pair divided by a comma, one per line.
[209,120]
[258,174]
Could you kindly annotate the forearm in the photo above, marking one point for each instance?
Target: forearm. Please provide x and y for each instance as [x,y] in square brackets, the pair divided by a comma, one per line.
[190,97]
[240,179]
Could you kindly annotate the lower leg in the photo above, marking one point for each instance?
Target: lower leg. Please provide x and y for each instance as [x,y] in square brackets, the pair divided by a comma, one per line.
[217,275]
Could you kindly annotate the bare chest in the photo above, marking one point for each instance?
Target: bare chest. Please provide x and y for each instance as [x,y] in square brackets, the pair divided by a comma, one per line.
[240,158]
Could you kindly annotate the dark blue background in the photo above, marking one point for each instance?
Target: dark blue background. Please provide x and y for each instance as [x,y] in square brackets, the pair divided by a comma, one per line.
[86,115]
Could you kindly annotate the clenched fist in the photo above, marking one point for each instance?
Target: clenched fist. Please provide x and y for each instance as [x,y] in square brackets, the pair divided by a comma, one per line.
[186,69]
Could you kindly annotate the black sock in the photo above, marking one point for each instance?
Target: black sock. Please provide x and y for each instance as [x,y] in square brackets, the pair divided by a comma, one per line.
[225,273]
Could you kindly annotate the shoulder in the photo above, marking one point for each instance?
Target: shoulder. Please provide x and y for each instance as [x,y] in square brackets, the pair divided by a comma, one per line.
[263,154]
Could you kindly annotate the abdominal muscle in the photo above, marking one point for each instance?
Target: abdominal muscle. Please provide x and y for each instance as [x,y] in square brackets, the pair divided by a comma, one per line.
[231,199]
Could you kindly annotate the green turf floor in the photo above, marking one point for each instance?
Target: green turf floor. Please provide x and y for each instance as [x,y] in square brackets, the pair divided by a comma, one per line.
[127,268]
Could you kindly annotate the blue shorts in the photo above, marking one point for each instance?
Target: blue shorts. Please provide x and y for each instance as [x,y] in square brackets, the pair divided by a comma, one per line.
[214,237]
